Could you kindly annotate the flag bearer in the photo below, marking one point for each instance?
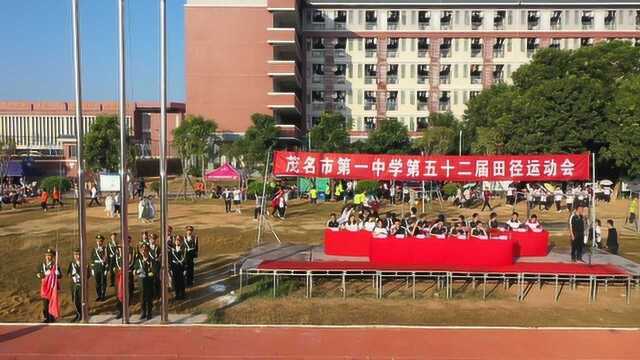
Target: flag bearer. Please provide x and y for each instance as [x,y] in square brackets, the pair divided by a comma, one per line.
[43,270]
[191,245]
[76,283]
[146,270]
[100,268]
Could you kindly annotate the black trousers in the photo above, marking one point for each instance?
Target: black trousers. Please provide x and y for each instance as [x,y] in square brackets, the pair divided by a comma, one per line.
[189,267]
[101,284]
[94,201]
[56,201]
[147,286]
[486,204]
[45,311]
[177,276]
[77,299]
[227,205]
[256,213]
[558,205]
[576,248]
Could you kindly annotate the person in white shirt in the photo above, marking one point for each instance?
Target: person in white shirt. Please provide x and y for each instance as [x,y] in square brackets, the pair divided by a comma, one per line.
[380,231]
[511,194]
[370,224]
[94,196]
[514,223]
[351,225]
[533,223]
[557,198]
[606,191]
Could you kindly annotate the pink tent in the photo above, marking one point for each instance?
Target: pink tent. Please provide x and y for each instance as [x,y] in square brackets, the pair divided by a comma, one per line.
[225,172]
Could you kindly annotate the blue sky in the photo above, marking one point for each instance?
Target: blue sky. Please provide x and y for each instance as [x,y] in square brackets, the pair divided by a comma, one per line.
[36,58]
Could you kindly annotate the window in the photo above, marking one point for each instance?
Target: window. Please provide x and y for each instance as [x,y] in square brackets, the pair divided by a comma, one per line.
[498,19]
[556,20]
[392,100]
[445,48]
[371,19]
[445,20]
[476,47]
[610,20]
[476,74]
[498,48]
[341,69]
[533,19]
[498,73]
[393,18]
[341,43]
[392,74]
[555,44]
[423,47]
[369,123]
[341,17]
[318,17]
[423,74]
[318,43]
[318,69]
[445,74]
[424,19]
[476,19]
[422,123]
[587,20]
[317,96]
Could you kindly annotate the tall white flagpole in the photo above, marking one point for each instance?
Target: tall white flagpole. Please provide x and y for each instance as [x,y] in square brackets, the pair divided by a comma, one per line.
[82,216]
[124,197]
[163,160]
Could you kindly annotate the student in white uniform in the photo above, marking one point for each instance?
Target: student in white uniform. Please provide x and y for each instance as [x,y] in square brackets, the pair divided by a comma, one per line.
[514,222]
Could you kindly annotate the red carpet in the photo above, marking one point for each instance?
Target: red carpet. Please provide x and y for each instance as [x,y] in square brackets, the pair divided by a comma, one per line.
[536,268]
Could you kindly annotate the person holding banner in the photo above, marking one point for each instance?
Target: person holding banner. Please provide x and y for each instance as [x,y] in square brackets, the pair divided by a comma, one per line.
[76,284]
[49,273]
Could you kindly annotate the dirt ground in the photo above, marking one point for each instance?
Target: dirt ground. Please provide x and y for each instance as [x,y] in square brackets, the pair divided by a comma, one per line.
[26,233]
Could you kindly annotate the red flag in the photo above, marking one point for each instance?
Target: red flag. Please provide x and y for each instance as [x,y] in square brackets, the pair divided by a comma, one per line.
[49,290]
[120,285]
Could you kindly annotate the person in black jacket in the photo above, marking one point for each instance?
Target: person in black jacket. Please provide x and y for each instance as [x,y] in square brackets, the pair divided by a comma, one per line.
[576,233]
[612,238]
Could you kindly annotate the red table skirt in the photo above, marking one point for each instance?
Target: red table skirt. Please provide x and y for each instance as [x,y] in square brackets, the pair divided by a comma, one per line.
[450,251]
[347,243]
[530,243]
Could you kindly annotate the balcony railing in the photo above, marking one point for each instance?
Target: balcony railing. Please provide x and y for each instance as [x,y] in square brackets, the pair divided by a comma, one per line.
[340,79]
[476,79]
[423,79]
[498,52]
[445,52]
[422,106]
[339,53]
[392,79]
[370,105]
[444,105]
[370,79]
[445,79]
[392,105]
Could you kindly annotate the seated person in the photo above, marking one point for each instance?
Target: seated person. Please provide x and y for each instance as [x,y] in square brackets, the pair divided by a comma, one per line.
[438,228]
[351,224]
[479,231]
[397,228]
[370,224]
[458,230]
[533,223]
[475,218]
[493,221]
[514,223]
[380,231]
[333,222]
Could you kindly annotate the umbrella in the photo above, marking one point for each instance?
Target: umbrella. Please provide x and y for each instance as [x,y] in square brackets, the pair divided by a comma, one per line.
[606,182]
[469,185]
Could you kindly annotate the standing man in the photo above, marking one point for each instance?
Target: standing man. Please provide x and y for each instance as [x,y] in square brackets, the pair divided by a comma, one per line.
[112,249]
[44,197]
[44,269]
[191,245]
[227,196]
[76,284]
[94,196]
[486,196]
[178,257]
[57,197]
[146,270]
[156,255]
[117,268]
[576,233]
[100,267]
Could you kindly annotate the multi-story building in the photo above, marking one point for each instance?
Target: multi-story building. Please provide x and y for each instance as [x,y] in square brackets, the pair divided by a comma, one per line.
[374,59]
[44,127]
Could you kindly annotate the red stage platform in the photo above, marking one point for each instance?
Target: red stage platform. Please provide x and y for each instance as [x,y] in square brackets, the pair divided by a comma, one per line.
[523,267]
[500,249]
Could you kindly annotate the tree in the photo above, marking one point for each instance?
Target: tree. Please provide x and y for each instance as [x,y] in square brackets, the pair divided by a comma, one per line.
[7,150]
[192,140]
[390,136]
[330,135]
[252,148]
[436,140]
[566,102]
[102,144]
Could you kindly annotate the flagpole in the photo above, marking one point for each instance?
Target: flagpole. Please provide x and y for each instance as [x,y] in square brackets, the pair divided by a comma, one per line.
[163,161]
[124,197]
[82,218]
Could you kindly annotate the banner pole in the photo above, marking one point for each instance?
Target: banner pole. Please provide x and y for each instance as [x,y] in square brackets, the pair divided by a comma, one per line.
[124,197]
[164,276]
[82,216]
[593,199]
[262,201]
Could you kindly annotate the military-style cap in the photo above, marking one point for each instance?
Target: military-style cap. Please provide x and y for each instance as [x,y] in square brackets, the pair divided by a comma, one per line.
[99,237]
[189,227]
[50,251]
[114,233]
[76,250]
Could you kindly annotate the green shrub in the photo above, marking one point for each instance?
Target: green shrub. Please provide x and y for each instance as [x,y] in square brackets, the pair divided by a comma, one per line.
[62,183]
[368,186]
[155,187]
[450,189]
[255,187]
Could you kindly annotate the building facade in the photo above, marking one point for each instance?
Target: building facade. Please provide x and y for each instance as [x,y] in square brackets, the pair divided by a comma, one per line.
[45,127]
[374,59]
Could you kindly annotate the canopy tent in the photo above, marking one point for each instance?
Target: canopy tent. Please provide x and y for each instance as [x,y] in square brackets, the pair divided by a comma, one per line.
[225,172]
[14,168]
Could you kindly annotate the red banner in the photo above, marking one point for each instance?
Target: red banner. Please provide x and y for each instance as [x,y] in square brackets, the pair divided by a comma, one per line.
[528,168]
